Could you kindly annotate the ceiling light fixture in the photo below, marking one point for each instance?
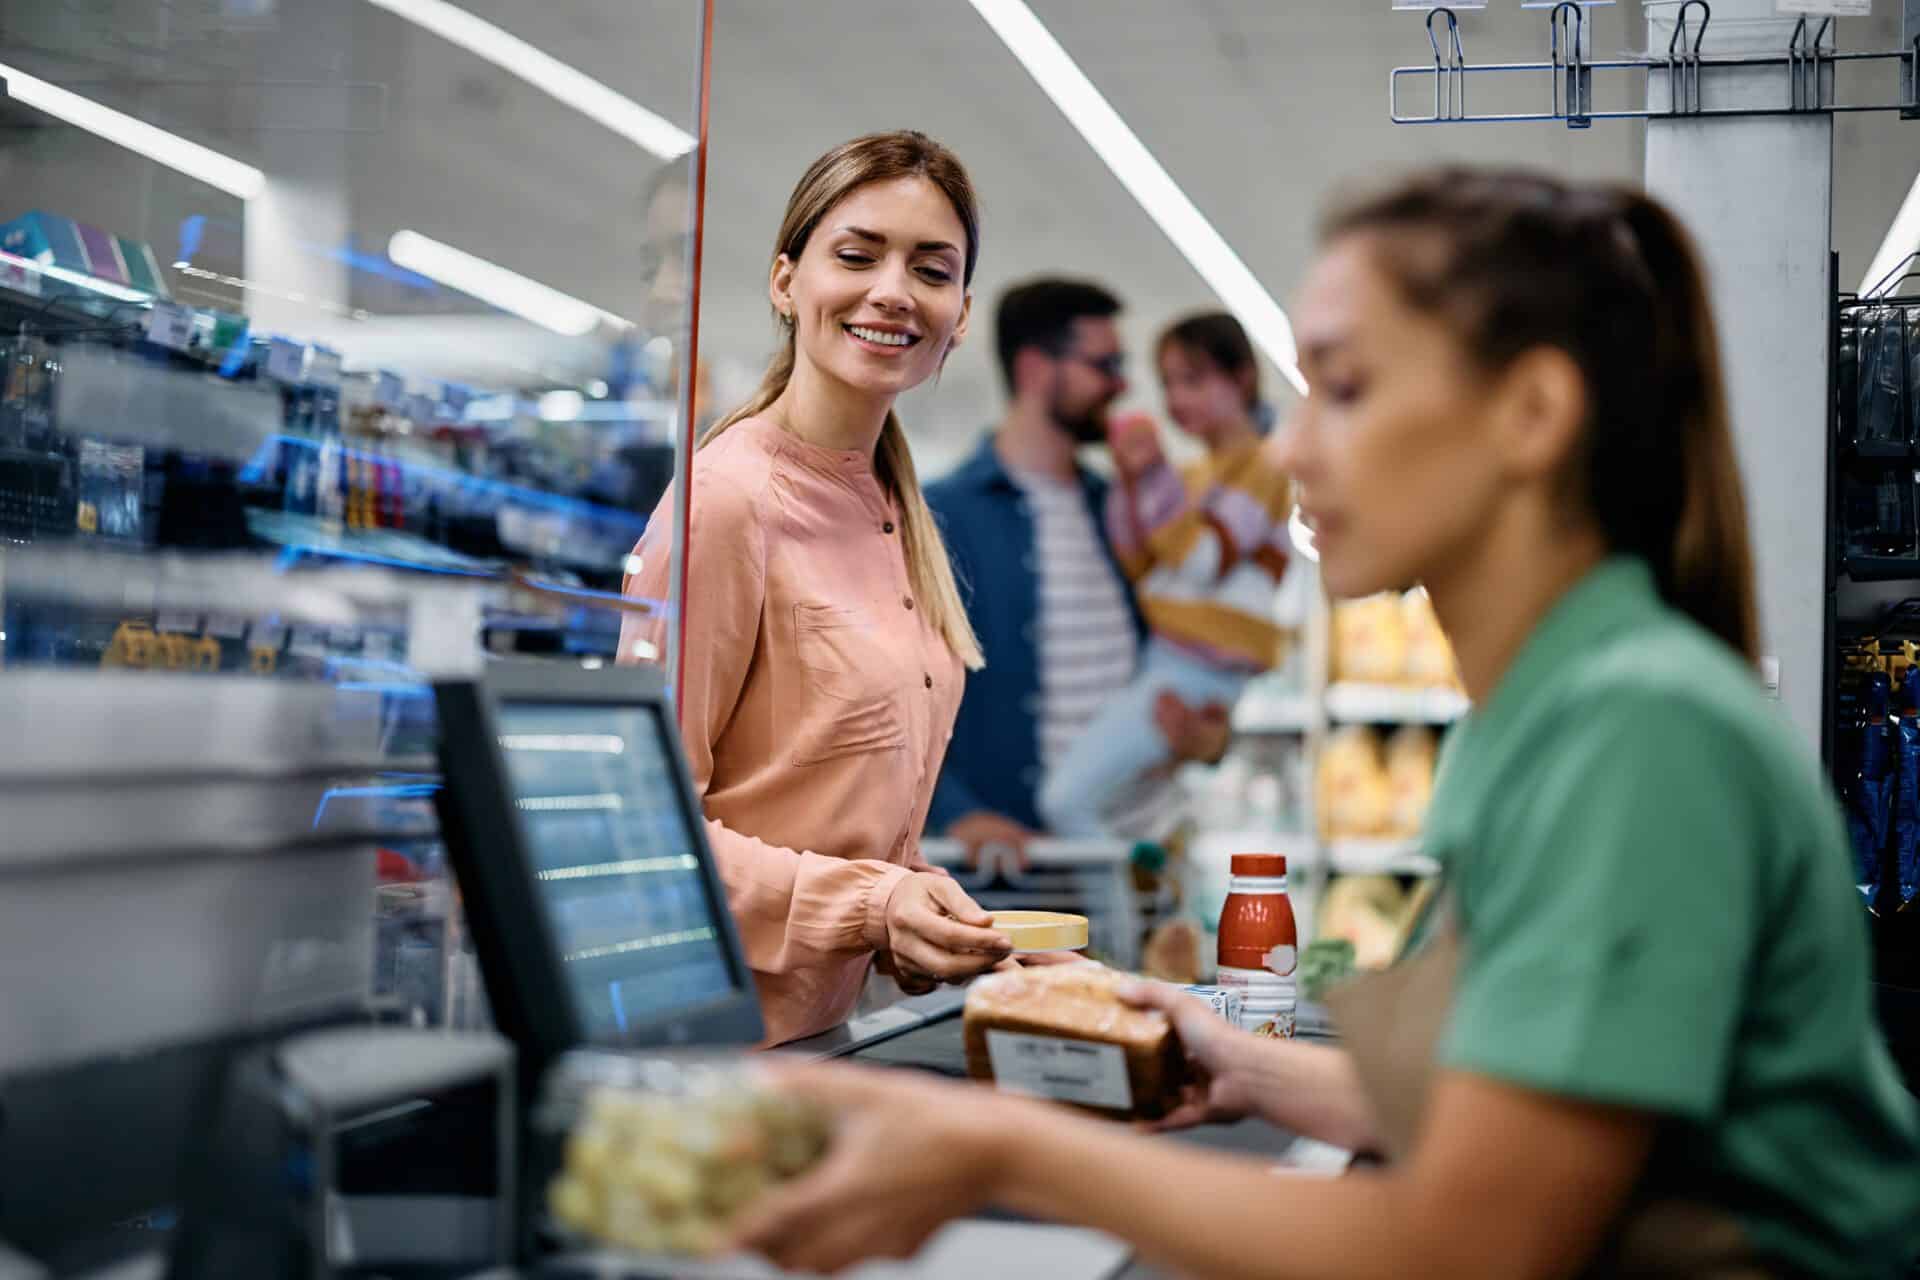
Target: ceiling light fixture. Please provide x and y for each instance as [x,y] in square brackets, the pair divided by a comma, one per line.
[546,73]
[190,158]
[1055,71]
[1903,240]
[529,299]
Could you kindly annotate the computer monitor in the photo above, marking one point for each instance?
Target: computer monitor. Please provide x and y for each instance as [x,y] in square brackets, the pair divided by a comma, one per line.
[590,891]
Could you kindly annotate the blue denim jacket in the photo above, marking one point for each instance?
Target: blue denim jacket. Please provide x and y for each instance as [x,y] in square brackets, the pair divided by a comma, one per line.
[993,762]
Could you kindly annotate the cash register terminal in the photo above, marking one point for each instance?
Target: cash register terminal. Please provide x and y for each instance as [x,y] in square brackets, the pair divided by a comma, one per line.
[572,824]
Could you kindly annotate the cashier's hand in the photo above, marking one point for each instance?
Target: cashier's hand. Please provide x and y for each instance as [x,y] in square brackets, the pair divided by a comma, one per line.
[909,1154]
[934,930]
[1213,1046]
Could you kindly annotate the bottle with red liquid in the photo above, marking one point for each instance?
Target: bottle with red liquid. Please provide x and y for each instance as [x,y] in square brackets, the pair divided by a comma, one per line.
[1259,944]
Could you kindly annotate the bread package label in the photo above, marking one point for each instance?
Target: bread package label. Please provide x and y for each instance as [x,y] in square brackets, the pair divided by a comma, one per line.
[1091,1075]
[1062,1032]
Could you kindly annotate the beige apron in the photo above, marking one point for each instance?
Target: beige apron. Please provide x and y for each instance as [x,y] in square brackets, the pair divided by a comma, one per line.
[1391,1021]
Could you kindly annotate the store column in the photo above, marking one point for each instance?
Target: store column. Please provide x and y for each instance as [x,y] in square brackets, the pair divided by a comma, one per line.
[295,228]
[1757,193]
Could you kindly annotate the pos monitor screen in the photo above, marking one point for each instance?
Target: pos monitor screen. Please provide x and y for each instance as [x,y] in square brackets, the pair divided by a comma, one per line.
[590,891]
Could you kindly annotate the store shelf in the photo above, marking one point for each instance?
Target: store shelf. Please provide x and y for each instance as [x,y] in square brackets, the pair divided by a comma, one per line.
[1288,713]
[1394,857]
[301,536]
[1883,568]
[1349,703]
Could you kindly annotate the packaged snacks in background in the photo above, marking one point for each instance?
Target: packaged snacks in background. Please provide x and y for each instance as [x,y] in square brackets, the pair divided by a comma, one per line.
[1355,798]
[1429,661]
[1369,640]
[660,1153]
[1411,753]
[1370,913]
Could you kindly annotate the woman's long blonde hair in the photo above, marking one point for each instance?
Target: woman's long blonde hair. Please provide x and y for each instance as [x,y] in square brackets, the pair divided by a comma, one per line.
[882,157]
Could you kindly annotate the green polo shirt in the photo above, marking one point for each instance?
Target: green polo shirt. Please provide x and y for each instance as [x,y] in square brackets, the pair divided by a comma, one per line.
[1656,909]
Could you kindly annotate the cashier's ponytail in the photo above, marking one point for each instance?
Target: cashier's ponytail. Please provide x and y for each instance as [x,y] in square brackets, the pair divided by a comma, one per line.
[1515,261]
[882,157]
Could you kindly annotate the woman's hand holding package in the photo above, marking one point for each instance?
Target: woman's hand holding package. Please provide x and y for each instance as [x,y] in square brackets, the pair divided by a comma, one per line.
[935,931]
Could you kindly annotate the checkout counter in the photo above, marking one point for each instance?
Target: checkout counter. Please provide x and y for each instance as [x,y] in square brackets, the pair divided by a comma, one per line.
[193,1081]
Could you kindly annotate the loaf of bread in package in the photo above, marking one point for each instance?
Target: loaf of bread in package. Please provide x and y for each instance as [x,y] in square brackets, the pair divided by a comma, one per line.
[1061,1032]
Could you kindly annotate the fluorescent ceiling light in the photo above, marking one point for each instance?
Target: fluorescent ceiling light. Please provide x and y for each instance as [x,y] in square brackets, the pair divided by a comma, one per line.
[507,290]
[190,158]
[1903,240]
[1131,162]
[546,73]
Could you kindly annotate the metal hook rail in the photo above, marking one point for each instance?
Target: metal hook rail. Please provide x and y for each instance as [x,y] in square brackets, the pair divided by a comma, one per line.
[1807,63]
[1450,82]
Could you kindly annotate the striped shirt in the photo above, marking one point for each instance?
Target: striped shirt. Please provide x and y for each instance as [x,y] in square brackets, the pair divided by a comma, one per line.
[1084,637]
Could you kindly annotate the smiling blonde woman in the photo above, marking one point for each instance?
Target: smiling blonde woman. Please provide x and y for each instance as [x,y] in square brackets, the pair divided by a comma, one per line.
[826,644]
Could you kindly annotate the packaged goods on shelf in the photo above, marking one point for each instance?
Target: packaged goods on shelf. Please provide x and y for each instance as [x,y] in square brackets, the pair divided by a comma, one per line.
[1391,639]
[1411,755]
[1374,914]
[1369,640]
[1354,796]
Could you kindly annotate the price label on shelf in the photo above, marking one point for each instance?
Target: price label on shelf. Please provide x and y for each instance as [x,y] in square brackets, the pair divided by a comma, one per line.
[390,390]
[323,367]
[287,361]
[266,635]
[224,626]
[1838,8]
[177,623]
[307,642]
[170,325]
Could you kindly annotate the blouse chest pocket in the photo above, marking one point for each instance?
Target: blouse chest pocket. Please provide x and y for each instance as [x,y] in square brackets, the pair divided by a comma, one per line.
[848,693]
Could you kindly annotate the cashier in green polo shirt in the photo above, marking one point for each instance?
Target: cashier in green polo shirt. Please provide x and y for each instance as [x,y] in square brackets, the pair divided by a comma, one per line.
[1636,1037]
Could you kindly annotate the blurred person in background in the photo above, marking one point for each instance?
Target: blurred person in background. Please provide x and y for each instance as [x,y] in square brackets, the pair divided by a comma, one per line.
[1635,1037]
[1023,521]
[826,644]
[1205,547]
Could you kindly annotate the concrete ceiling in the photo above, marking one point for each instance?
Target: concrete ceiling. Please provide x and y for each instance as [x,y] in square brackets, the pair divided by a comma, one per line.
[1261,109]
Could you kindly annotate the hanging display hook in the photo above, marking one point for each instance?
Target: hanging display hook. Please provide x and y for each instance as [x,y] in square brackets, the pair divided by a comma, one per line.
[1449,68]
[1806,89]
[1569,20]
[1683,60]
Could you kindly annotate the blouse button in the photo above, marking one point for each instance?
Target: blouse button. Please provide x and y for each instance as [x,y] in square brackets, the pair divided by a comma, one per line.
[929,682]
[908,601]
[887,527]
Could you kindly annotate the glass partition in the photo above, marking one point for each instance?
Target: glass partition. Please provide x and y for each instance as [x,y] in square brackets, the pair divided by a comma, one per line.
[341,341]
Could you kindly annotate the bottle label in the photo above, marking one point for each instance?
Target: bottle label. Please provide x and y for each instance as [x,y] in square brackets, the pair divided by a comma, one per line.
[1267,1003]
[1093,1075]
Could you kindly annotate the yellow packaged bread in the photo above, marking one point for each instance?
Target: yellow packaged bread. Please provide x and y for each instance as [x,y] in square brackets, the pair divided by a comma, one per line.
[1411,752]
[1061,1032]
[1354,797]
[1370,640]
[1429,658]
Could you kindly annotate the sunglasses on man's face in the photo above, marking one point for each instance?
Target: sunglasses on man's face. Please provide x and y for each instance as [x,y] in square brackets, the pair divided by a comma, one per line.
[1112,365]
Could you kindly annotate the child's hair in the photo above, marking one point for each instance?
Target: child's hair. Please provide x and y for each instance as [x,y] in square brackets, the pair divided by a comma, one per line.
[1217,338]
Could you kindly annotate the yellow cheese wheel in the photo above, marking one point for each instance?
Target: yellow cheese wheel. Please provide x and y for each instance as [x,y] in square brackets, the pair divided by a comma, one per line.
[1031,931]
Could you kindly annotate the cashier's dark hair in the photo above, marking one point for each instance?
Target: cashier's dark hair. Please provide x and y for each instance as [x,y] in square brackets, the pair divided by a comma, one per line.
[1514,261]
[883,157]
